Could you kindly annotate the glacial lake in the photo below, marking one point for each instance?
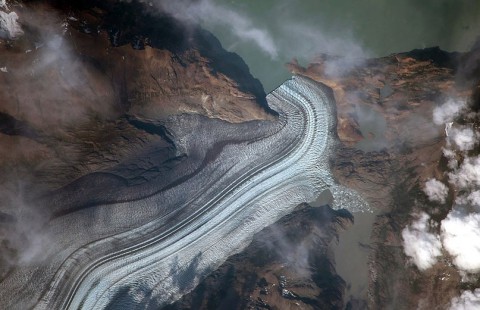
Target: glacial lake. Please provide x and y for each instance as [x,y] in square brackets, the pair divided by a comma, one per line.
[364,28]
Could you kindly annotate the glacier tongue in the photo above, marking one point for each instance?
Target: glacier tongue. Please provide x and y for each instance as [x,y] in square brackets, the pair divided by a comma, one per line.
[266,179]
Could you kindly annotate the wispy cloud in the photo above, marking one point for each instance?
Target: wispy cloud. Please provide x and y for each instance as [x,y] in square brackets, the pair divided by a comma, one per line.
[25,234]
[53,84]
[447,112]
[295,254]
[302,40]
[209,13]
[294,37]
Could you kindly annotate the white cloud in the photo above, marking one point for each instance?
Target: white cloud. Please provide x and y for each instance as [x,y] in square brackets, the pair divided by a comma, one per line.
[468,175]
[467,301]
[460,234]
[451,156]
[448,153]
[436,190]
[464,139]
[447,111]
[9,26]
[302,40]
[420,245]
[471,199]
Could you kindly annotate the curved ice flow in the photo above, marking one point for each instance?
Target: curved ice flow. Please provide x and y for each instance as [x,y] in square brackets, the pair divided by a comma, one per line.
[169,264]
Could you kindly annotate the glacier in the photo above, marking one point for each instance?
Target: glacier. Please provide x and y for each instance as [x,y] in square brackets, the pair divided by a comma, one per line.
[183,233]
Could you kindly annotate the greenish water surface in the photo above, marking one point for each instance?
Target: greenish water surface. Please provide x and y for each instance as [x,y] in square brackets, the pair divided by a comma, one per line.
[360,28]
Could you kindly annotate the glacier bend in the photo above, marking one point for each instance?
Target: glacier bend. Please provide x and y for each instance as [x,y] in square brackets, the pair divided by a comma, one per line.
[186,231]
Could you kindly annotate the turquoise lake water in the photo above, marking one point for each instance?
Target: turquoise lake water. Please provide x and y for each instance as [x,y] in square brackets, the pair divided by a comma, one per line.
[361,28]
